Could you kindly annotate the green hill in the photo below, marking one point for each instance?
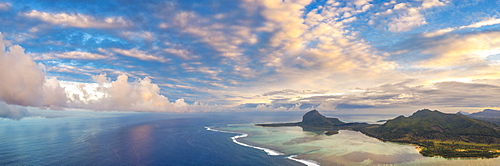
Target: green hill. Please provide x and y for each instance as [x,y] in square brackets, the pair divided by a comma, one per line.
[448,135]
[439,134]
[427,124]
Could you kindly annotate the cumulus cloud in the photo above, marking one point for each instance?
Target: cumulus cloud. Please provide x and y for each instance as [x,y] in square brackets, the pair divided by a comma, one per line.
[101,78]
[23,83]
[53,94]
[78,20]
[122,95]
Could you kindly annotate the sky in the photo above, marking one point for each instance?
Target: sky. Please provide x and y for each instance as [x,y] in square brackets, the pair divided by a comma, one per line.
[371,56]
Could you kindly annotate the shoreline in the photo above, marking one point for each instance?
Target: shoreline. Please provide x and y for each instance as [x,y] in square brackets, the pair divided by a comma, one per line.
[269,152]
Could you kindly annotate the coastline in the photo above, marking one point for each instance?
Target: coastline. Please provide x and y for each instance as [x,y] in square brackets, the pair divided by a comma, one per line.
[345,148]
[269,152]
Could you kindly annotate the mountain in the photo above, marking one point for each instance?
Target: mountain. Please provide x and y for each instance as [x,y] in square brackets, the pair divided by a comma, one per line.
[487,113]
[426,124]
[315,122]
[439,134]
[314,118]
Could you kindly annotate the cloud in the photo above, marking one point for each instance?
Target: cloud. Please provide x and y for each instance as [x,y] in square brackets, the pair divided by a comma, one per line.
[122,95]
[184,54]
[228,38]
[407,16]
[407,20]
[101,78]
[142,55]
[213,71]
[5,6]
[143,35]
[461,49]
[446,95]
[68,55]
[23,81]
[53,94]
[78,20]
[486,22]
[12,111]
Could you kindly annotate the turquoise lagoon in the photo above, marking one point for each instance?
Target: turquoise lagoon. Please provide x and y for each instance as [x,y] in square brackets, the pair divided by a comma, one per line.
[345,148]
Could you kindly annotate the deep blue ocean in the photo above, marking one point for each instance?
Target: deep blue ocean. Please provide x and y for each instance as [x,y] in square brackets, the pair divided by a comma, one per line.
[103,138]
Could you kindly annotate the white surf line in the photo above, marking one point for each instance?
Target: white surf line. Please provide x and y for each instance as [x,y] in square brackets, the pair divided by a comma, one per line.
[243,135]
[268,151]
[306,162]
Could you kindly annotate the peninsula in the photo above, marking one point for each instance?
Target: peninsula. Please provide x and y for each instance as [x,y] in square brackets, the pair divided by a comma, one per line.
[436,133]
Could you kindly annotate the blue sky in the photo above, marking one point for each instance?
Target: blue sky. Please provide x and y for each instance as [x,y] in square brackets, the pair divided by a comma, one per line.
[200,55]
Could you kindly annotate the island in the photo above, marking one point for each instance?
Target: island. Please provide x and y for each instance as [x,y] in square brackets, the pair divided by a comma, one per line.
[435,133]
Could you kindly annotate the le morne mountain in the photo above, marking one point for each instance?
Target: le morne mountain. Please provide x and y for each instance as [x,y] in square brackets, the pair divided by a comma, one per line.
[437,133]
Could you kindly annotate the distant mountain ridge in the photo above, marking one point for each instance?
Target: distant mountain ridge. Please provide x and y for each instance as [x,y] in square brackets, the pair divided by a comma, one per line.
[489,115]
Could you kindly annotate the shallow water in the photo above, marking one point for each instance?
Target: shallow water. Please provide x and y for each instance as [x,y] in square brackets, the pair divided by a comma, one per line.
[345,148]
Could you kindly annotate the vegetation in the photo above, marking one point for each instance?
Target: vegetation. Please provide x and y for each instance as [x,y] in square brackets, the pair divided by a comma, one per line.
[438,134]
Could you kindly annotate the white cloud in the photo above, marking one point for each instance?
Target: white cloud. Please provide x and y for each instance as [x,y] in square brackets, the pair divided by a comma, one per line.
[53,94]
[486,22]
[183,53]
[433,3]
[207,70]
[122,95]
[5,6]
[101,78]
[12,111]
[23,81]
[78,20]
[462,50]
[406,16]
[361,2]
[490,21]
[144,35]
[407,20]
[439,32]
[142,55]
[68,55]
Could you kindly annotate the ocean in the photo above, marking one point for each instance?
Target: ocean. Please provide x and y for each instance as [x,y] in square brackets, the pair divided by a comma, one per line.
[100,138]
[114,138]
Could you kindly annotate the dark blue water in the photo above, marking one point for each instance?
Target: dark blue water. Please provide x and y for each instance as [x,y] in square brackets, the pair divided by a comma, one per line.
[91,138]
